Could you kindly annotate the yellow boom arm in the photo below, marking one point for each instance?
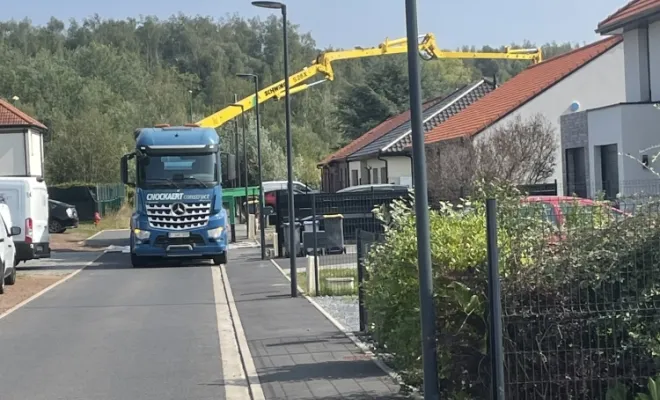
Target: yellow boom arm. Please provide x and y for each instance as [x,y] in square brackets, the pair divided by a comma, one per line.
[428,50]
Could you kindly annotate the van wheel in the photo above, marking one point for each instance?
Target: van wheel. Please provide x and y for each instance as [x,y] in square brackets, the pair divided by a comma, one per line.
[11,279]
[2,281]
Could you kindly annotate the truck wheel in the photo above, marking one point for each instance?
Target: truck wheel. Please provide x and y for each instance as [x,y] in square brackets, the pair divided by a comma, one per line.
[138,262]
[221,259]
[11,279]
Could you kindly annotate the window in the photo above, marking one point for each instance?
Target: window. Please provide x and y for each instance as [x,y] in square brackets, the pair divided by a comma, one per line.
[354,177]
[383,175]
[195,170]
[374,172]
[540,211]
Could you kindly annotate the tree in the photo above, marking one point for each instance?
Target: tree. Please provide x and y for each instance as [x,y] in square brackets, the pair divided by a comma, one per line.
[521,151]
[97,80]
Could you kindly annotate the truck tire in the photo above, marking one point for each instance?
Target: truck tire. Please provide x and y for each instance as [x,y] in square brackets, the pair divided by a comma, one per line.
[221,259]
[138,262]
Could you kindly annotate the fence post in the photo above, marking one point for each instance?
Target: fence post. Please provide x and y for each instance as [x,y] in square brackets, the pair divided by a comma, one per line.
[316,257]
[494,303]
[360,265]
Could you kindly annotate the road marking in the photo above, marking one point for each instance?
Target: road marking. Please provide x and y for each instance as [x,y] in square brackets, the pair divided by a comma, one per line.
[48,288]
[248,362]
[230,335]
[100,232]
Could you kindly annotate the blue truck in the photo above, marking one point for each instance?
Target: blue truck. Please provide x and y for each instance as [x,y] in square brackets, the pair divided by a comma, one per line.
[178,195]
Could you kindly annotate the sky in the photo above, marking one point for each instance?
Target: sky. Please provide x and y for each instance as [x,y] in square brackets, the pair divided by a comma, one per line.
[350,23]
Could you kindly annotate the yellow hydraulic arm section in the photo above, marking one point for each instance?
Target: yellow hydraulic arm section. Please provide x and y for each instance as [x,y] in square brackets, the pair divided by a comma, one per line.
[428,50]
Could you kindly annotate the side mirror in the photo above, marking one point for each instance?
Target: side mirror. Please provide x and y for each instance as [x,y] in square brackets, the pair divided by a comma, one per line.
[14,231]
[124,169]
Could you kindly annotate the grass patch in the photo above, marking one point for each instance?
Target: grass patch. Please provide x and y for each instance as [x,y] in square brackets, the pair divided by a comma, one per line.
[120,219]
[331,288]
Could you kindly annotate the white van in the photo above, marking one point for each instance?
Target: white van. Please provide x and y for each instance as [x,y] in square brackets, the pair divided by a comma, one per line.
[27,199]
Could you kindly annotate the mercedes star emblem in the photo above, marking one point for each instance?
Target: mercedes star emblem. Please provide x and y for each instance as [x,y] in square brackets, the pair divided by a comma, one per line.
[178,209]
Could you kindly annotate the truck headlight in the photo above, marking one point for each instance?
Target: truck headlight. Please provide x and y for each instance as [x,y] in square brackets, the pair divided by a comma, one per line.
[141,235]
[216,232]
[69,212]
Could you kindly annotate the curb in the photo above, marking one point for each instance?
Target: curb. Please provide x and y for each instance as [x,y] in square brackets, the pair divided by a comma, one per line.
[357,342]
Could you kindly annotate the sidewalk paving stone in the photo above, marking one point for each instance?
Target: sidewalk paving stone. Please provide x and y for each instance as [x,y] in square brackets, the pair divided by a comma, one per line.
[298,353]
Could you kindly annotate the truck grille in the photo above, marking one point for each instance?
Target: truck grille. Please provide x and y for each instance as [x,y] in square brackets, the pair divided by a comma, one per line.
[178,216]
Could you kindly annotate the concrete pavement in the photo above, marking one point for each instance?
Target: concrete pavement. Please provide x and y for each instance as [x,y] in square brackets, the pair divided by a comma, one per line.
[114,332]
[178,332]
[297,352]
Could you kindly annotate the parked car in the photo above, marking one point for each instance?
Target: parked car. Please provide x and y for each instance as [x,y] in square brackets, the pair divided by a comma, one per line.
[557,208]
[7,248]
[61,216]
[376,188]
[271,187]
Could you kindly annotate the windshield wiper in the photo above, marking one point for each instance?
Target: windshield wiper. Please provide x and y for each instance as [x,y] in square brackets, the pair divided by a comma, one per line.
[197,180]
[164,180]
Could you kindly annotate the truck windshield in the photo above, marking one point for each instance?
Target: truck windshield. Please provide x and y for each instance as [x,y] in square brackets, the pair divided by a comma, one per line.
[198,170]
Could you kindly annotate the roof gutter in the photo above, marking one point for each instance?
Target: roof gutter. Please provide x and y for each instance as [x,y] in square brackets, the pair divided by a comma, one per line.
[608,28]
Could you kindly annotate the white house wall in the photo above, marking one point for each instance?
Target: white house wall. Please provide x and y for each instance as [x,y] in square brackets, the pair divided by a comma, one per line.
[654,59]
[399,170]
[597,84]
[36,156]
[635,43]
[604,129]
[354,165]
[640,127]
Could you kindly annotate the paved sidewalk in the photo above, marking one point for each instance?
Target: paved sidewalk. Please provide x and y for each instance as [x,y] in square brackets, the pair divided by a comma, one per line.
[297,352]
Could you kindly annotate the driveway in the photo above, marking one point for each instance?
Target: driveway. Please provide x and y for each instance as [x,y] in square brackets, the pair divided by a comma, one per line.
[114,332]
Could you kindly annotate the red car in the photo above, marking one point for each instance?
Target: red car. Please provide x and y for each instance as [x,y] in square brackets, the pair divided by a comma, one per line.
[556,209]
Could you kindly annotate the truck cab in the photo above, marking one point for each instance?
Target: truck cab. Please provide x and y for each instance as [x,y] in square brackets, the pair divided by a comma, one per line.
[178,195]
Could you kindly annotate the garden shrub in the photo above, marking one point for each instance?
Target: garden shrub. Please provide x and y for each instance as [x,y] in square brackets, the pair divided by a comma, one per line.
[579,314]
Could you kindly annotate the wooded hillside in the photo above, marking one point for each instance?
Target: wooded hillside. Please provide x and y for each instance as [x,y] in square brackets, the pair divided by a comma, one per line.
[93,82]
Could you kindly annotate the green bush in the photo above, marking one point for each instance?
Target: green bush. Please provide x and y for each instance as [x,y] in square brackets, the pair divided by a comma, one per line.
[578,312]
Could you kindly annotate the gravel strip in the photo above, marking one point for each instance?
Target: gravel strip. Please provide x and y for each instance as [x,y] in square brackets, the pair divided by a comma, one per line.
[343,308]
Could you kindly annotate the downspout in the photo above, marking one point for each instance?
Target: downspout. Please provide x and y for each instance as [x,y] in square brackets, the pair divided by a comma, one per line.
[387,167]
[412,169]
[348,175]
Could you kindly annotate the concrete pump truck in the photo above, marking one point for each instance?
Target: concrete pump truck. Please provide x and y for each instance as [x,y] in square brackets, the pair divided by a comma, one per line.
[178,195]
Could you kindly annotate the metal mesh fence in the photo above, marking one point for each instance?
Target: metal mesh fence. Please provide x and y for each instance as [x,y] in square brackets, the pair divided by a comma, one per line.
[580,299]
[109,197]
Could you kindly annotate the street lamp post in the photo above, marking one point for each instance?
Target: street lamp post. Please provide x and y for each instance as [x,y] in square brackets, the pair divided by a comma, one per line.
[245,167]
[427,311]
[236,165]
[262,228]
[191,105]
[289,143]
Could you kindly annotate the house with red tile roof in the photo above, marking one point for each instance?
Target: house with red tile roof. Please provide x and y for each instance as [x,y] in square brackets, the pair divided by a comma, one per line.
[587,77]
[21,142]
[596,156]
[381,155]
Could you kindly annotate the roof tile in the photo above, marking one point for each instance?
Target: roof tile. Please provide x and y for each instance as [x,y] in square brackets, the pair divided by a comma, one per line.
[627,12]
[517,91]
[12,116]
[373,134]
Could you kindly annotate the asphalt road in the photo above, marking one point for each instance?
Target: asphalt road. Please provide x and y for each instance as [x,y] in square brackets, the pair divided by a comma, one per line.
[114,332]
